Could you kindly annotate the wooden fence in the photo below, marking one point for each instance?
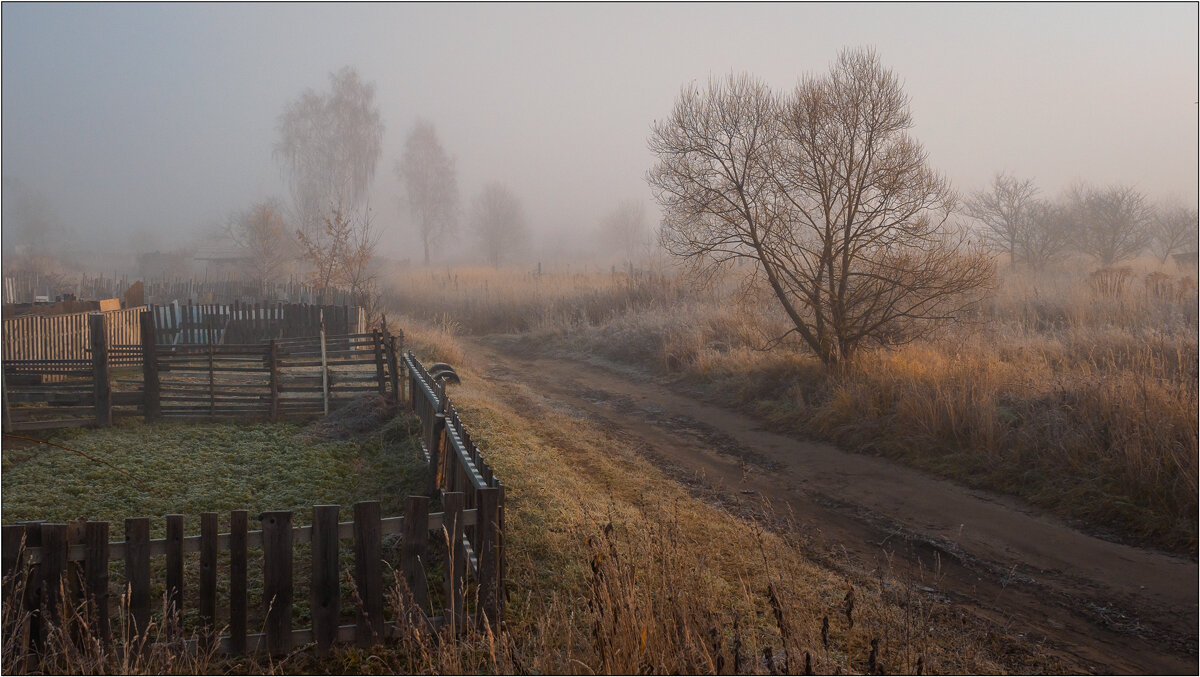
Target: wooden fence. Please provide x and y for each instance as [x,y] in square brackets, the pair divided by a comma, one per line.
[70,562]
[65,337]
[271,380]
[188,323]
[26,286]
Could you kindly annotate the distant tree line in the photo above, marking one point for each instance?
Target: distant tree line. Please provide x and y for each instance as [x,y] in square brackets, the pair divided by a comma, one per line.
[1109,224]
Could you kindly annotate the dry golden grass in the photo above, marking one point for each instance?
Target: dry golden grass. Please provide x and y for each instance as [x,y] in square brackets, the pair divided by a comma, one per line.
[1082,402]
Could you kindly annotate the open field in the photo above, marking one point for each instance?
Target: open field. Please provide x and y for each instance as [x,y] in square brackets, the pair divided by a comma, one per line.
[1079,403]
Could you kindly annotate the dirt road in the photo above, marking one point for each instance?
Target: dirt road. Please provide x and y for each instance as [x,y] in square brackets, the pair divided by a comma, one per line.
[1106,607]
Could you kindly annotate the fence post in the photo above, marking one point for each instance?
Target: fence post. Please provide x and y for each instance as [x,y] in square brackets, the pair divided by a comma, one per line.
[238,525]
[456,560]
[151,403]
[368,573]
[54,565]
[208,572]
[174,546]
[12,552]
[96,559]
[325,588]
[101,389]
[277,580]
[490,552]
[137,573]
[393,369]
[273,365]
[437,452]
[378,343]
[412,553]
[324,365]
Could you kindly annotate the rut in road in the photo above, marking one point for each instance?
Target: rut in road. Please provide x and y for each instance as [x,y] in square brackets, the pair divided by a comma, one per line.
[1109,607]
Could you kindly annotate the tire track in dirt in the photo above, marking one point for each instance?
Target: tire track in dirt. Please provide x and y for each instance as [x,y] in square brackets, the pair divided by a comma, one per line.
[1105,606]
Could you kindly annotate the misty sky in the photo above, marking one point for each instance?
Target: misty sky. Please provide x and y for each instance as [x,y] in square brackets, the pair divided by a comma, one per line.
[140,123]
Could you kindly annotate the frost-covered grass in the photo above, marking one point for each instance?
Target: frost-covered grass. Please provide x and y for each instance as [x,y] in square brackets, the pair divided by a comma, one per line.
[190,468]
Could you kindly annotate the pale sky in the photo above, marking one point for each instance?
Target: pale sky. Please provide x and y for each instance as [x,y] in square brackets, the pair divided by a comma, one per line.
[139,123]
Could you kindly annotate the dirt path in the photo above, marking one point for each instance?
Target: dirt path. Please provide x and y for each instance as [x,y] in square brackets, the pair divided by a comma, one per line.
[1105,606]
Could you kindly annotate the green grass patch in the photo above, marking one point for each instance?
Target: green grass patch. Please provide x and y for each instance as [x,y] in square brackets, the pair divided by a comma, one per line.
[190,468]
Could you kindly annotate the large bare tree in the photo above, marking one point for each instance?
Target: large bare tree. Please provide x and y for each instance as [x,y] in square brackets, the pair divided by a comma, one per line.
[1005,209]
[499,222]
[1112,223]
[828,196]
[430,183]
[328,148]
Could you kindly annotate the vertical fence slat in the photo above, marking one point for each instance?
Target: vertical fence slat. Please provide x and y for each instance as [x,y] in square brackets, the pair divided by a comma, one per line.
[238,527]
[150,384]
[12,555]
[368,572]
[208,570]
[53,566]
[456,564]
[273,366]
[489,553]
[102,391]
[277,580]
[175,568]
[413,550]
[326,578]
[96,574]
[137,572]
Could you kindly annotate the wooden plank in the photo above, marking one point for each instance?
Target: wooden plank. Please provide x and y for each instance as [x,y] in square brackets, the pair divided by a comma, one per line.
[325,588]
[174,570]
[413,551]
[150,387]
[238,524]
[368,572]
[377,341]
[137,572]
[277,580]
[455,580]
[437,452]
[393,371]
[208,570]
[102,389]
[12,557]
[53,568]
[489,552]
[96,575]
[273,366]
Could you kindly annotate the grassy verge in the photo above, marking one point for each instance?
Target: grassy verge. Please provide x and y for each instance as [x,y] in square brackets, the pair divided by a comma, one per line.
[616,568]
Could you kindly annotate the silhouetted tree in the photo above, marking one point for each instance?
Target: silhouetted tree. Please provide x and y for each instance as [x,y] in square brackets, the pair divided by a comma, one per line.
[328,147]
[626,229]
[499,222]
[1173,229]
[1005,209]
[430,183]
[262,236]
[828,196]
[1111,223]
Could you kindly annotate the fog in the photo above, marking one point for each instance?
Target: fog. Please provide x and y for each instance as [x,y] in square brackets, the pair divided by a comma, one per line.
[136,127]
